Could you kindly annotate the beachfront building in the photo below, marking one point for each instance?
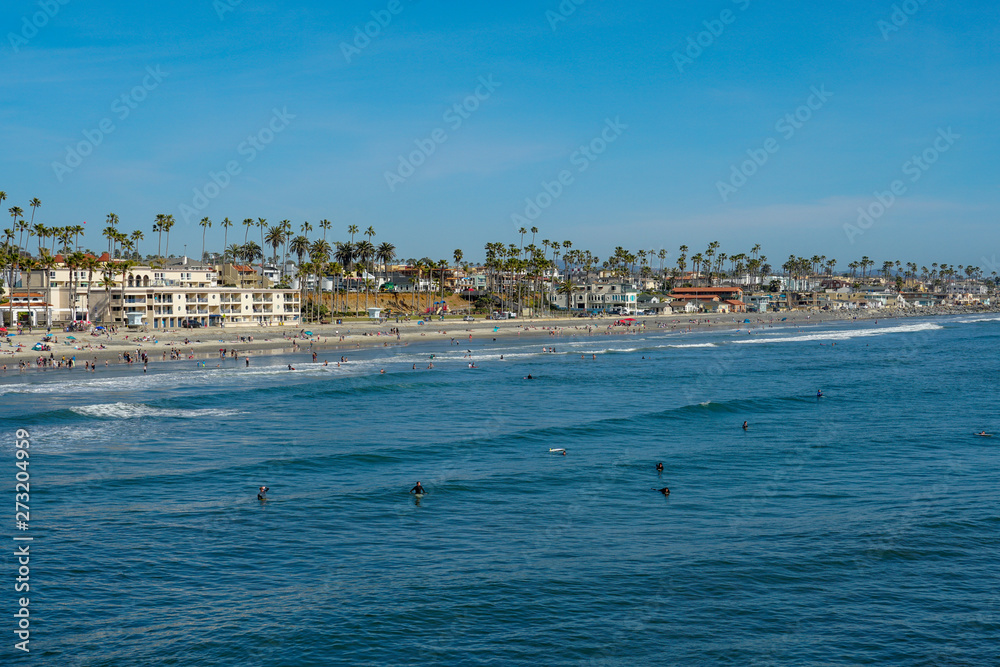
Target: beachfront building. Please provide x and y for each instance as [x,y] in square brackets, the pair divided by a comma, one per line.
[243,276]
[599,297]
[25,307]
[729,299]
[159,297]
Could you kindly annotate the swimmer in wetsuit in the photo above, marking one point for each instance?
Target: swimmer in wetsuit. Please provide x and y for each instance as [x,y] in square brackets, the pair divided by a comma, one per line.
[745,426]
[659,467]
[262,493]
[665,491]
[418,490]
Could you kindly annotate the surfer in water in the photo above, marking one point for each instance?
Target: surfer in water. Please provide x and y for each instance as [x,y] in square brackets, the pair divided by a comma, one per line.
[262,493]
[418,490]
[745,426]
[659,467]
[665,491]
[819,393]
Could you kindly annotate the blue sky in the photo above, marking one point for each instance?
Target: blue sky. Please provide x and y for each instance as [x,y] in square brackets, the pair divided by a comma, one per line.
[684,119]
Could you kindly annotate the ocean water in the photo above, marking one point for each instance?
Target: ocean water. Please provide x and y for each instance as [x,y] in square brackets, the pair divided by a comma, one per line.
[859,528]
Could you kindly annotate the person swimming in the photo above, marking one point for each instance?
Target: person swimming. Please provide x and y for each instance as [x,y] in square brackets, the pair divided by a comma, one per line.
[745,426]
[659,467]
[529,377]
[665,491]
[819,393]
[418,490]
[262,493]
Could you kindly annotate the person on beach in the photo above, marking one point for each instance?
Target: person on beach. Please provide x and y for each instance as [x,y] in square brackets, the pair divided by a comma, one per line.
[262,493]
[418,490]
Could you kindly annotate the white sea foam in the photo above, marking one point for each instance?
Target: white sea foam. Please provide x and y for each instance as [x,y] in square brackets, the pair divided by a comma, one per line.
[136,410]
[693,345]
[975,320]
[842,335]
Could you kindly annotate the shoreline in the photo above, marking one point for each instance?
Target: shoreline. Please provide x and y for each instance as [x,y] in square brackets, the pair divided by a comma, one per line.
[195,345]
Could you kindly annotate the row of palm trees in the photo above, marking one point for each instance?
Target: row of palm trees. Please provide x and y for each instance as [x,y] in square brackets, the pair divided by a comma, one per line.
[516,274]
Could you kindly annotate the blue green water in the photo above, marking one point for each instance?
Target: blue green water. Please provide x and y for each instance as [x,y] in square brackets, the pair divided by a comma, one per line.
[860,528]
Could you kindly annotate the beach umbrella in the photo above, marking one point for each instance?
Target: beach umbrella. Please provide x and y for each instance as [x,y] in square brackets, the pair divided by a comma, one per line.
[309,333]
[70,338]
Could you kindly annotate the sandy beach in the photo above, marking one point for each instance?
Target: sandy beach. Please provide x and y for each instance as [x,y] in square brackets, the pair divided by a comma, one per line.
[337,339]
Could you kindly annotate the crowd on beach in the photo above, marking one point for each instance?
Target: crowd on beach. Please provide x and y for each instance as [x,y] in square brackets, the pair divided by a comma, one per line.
[124,347]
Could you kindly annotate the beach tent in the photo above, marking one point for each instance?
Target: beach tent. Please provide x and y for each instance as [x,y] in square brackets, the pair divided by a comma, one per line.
[746,321]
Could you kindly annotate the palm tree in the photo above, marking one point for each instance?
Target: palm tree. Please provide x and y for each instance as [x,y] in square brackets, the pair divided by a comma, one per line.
[205,224]
[275,237]
[34,204]
[74,263]
[135,237]
[262,224]
[566,287]
[91,264]
[385,254]
[334,269]
[365,252]
[286,227]
[108,270]
[319,256]
[225,224]
[126,271]
[300,246]
[158,228]
[45,263]
[352,230]
[15,213]
[233,251]
[168,223]
[345,255]
[442,267]
[325,225]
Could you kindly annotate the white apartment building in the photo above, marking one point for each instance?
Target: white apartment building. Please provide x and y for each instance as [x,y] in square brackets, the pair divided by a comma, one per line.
[153,297]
